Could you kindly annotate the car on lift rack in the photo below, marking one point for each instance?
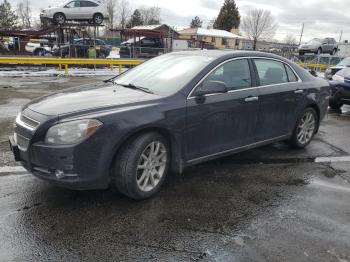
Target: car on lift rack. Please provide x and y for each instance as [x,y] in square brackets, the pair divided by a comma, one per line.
[95,12]
[319,46]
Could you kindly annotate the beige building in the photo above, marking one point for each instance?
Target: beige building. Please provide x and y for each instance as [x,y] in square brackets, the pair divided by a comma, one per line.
[211,38]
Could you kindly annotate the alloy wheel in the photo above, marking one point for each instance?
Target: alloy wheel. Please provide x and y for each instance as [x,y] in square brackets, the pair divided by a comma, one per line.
[60,19]
[151,166]
[98,19]
[306,128]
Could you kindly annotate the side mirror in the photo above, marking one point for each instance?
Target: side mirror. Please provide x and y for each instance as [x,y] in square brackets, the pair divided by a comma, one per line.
[211,87]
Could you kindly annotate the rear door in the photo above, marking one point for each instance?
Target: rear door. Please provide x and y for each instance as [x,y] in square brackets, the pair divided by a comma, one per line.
[280,94]
[221,122]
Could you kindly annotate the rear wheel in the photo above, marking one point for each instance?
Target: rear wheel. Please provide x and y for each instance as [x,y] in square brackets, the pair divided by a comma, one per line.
[141,167]
[305,128]
[334,51]
[59,18]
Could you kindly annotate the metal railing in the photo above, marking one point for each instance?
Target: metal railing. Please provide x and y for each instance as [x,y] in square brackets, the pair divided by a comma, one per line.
[69,61]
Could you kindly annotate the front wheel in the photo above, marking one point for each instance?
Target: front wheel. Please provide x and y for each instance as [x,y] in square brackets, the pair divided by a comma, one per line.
[142,165]
[97,19]
[334,104]
[59,18]
[305,128]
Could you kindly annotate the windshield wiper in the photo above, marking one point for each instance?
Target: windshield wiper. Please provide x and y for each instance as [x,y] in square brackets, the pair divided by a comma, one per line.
[132,86]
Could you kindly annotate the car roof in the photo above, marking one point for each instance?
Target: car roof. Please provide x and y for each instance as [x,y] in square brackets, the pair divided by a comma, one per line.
[228,54]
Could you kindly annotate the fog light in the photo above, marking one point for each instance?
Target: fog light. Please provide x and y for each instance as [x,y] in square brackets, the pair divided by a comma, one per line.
[59,174]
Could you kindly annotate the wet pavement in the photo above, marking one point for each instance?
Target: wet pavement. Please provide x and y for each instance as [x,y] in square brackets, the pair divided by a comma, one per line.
[268,204]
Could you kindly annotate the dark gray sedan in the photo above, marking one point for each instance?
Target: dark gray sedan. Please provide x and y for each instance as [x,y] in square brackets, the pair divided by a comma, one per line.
[173,111]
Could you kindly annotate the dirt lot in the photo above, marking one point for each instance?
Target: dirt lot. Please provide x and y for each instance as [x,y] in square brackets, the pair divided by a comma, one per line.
[268,204]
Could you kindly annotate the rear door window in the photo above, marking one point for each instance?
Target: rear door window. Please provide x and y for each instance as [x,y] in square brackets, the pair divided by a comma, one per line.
[271,72]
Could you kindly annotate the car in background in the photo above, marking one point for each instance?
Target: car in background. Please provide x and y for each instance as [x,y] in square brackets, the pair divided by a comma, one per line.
[319,46]
[340,89]
[330,72]
[142,47]
[39,47]
[80,48]
[95,12]
[170,112]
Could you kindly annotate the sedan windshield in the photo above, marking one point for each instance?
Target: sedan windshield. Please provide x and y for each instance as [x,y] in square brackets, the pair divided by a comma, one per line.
[344,62]
[166,74]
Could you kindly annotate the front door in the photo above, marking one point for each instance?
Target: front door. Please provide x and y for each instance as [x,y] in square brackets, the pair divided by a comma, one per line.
[221,122]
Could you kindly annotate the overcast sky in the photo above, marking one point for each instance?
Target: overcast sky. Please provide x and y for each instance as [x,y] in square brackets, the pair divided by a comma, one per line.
[322,18]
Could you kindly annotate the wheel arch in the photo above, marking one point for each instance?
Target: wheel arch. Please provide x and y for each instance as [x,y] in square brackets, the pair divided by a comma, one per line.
[174,144]
[318,112]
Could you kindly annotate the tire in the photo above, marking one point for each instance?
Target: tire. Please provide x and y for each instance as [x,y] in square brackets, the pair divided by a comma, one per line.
[319,51]
[39,52]
[134,175]
[305,128]
[334,103]
[97,19]
[334,52]
[59,18]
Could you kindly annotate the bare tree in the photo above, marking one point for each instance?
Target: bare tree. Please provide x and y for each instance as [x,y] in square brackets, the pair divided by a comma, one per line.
[291,42]
[24,13]
[150,15]
[259,24]
[124,12]
[111,10]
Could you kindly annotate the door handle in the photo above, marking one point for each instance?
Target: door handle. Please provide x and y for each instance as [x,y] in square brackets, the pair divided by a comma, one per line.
[298,91]
[251,99]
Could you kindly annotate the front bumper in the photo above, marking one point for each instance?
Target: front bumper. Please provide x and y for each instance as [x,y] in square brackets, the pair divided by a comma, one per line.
[307,50]
[64,166]
[340,92]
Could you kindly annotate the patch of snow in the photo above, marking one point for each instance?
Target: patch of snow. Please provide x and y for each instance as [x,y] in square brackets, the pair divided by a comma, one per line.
[113,54]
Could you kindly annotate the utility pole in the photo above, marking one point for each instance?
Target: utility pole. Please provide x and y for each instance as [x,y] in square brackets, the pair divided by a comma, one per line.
[301,35]
[341,35]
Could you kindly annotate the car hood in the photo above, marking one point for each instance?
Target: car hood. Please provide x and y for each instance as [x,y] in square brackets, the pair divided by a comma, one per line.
[89,98]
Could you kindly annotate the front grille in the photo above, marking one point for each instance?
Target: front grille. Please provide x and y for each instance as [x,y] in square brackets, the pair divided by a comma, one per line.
[27,121]
[22,142]
[24,130]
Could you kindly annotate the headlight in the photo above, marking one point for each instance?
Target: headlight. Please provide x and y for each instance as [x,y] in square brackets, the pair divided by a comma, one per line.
[71,132]
[338,78]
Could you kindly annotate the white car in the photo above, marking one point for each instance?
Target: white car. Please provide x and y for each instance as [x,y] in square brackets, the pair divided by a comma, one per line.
[89,10]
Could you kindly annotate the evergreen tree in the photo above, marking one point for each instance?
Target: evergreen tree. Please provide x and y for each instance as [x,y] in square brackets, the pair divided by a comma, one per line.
[8,18]
[196,22]
[228,17]
[136,19]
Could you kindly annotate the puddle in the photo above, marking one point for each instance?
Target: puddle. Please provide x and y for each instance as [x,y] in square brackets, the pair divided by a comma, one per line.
[332,159]
[330,186]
